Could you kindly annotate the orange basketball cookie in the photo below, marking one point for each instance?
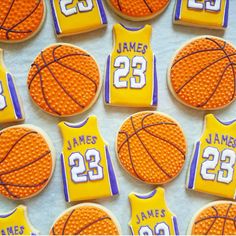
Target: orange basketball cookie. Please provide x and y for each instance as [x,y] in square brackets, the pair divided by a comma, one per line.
[203,73]
[216,218]
[20,19]
[26,161]
[138,10]
[64,80]
[151,147]
[86,219]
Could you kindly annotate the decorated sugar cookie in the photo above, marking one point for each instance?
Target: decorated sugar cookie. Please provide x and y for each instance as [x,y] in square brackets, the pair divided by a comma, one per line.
[76,16]
[212,169]
[151,147]
[138,10]
[16,223]
[203,13]
[11,109]
[150,214]
[26,161]
[20,20]
[202,74]
[216,218]
[86,219]
[131,77]
[86,163]
[64,80]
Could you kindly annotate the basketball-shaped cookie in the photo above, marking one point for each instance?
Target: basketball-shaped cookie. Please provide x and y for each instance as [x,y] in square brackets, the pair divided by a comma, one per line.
[216,218]
[151,147]
[202,74]
[20,19]
[64,80]
[26,161]
[86,219]
[138,10]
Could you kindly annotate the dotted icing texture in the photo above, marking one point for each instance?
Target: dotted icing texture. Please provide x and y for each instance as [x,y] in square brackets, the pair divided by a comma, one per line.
[85,220]
[203,73]
[151,147]
[216,220]
[64,80]
[139,8]
[20,19]
[25,163]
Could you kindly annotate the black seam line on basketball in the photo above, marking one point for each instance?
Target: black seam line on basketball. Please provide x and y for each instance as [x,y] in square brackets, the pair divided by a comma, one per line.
[155,161]
[149,8]
[26,165]
[130,156]
[140,129]
[8,191]
[2,183]
[66,222]
[17,142]
[217,217]
[8,12]
[60,58]
[223,49]
[53,231]
[218,84]
[72,69]
[203,69]
[90,224]
[16,31]
[227,213]
[43,92]
[213,222]
[60,85]
[119,5]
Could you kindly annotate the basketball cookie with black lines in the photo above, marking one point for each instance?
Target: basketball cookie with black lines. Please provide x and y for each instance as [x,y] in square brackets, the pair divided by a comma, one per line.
[86,219]
[216,218]
[151,147]
[26,161]
[20,19]
[138,10]
[202,74]
[64,80]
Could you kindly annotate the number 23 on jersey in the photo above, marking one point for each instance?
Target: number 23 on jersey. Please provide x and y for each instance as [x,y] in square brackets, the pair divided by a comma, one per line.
[131,78]
[213,164]
[86,164]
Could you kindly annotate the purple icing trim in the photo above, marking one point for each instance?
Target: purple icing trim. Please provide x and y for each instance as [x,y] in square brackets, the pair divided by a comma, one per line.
[225,123]
[226,16]
[178,9]
[176,225]
[132,29]
[132,232]
[193,166]
[107,82]
[147,196]
[56,24]
[8,214]
[78,125]
[14,97]
[102,12]
[64,178]
[155,90]
[113,182]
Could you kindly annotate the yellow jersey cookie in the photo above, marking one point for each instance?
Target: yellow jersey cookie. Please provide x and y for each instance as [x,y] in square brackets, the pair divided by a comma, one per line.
[131,78]
[212,169]
[16,223]
[10,106]
[86,163]
[150,214]
[203,13]
[76,16]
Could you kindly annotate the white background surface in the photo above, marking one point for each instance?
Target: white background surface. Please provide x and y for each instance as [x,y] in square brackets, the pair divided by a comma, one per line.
[167,38]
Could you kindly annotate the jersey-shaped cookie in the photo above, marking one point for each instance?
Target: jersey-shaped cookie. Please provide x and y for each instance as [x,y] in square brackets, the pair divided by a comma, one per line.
[77,16]
[202,13]
[86,163]
[10,106]
[150,214]
[131,78]
[16,223]
[212,168]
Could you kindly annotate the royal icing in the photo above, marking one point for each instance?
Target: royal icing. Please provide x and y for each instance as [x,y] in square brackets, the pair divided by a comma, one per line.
[10,106]
[76,16]
[86,163]
[131,77]
[212,169]
[203,13]
[16,223]
[150,214]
